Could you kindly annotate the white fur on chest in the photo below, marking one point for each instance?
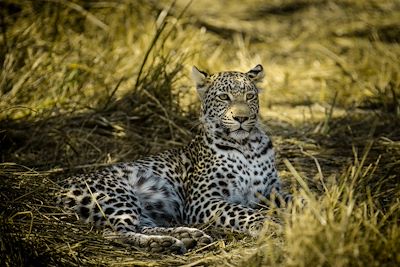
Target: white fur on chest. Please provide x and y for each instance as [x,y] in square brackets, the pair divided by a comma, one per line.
[246,174]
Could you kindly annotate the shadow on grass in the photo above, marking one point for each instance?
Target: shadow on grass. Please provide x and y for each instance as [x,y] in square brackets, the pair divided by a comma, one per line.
[350,139]
[109,135]
[21,251]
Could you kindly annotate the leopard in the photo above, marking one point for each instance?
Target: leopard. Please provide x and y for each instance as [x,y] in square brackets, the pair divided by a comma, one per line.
[222,178]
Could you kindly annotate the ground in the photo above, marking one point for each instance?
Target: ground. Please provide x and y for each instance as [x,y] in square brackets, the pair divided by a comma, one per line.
[86,83]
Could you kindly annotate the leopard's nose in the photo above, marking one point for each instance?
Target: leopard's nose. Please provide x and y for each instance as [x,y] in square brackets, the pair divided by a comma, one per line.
[240,119]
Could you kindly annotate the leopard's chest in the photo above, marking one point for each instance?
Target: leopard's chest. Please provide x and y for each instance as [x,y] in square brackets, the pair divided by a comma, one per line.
[243,178]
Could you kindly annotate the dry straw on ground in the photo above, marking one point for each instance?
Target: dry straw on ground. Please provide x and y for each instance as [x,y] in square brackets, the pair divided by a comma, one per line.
[87,83]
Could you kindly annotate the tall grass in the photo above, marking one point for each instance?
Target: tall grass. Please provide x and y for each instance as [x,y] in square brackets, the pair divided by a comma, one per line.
[343,226]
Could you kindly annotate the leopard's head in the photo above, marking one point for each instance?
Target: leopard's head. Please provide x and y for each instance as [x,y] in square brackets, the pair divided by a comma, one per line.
[229,101]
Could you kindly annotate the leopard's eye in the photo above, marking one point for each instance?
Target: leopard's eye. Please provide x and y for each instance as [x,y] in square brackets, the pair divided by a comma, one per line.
[250,96]
[223,97]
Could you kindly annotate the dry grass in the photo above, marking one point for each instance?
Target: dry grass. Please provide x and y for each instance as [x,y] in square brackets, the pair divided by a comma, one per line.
[88,83]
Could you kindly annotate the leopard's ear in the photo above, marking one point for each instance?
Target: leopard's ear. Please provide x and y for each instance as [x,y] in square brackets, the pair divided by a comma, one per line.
[200,79]
[256,74]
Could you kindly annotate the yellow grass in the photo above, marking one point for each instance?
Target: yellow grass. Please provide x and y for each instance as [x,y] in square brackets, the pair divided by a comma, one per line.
[88,83]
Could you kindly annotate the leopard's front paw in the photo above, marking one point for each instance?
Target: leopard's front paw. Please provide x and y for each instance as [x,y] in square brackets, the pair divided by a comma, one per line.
[191,237]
